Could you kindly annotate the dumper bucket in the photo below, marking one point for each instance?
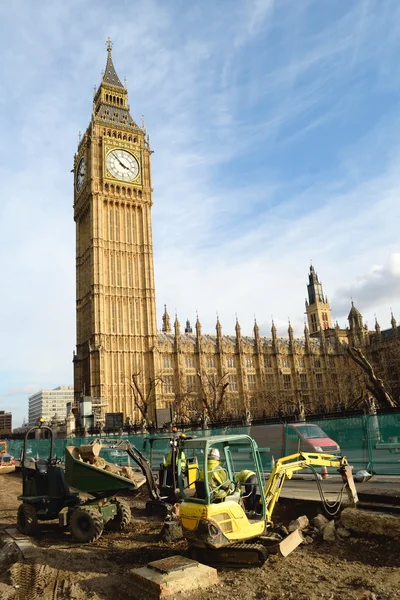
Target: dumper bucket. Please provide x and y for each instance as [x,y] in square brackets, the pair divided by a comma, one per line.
[91,479]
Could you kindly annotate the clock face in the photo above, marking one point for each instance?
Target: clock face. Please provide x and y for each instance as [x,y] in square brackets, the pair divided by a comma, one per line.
[80,174]
[122,165]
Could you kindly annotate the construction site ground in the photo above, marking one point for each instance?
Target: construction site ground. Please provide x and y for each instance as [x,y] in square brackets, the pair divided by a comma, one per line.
[358,568]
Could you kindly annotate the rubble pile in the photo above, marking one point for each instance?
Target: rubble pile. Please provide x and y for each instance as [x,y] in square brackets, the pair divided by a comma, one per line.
[351,521]
[90,454]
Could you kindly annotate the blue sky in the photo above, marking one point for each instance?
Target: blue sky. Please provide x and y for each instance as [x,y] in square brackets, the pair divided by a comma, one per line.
[275,129]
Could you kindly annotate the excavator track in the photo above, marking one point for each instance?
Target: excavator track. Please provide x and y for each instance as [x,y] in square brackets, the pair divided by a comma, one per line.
[239,555]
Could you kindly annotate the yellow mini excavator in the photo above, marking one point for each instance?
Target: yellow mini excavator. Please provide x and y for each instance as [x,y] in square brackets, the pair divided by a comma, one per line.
[213,513]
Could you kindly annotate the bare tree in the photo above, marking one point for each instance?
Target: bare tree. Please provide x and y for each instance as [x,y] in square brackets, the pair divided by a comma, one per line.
[374,384]
[213,390]
[144,397]
[186,407]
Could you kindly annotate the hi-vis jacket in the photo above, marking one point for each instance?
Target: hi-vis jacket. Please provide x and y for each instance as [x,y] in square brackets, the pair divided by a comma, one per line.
[217,477]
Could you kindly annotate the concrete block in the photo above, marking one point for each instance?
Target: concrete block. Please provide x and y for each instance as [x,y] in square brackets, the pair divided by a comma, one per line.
[371,522]
[166,578]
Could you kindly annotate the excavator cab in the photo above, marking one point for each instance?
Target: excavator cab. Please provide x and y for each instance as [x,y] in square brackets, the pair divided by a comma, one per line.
[214,516]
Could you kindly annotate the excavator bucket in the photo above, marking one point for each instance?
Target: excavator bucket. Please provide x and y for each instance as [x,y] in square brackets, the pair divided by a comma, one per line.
[291,542]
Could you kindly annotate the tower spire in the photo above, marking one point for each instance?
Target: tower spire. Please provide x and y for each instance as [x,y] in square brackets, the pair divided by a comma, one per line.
[110,102]
[166,322]
[110,75]
[317,306]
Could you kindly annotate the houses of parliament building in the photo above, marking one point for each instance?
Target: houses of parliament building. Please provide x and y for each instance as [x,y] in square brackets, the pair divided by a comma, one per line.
[122,358]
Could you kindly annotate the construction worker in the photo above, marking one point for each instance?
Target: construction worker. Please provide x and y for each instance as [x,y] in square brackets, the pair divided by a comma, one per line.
[168,460]
[248,479]
[218,481]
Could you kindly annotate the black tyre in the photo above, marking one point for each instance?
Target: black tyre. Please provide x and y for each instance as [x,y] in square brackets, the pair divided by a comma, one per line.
[27,521]
[121,519]
[86,524]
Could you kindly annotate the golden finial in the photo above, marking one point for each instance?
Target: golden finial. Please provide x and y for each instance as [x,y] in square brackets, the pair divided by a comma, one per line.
[79,137]
[109,44]
[143,124]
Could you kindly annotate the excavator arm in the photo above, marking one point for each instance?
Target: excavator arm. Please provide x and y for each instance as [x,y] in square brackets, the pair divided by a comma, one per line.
[286,467]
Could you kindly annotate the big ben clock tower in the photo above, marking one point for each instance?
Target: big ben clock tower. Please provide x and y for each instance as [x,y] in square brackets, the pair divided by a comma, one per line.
[115,292]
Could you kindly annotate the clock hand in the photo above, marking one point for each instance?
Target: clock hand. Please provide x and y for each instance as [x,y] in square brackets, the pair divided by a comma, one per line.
[122,164]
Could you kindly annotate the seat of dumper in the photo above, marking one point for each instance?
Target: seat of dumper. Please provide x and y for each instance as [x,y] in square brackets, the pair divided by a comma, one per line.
[58,487]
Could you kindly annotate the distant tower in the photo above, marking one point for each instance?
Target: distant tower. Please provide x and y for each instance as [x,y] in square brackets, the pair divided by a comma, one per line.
[356,326]
[318,310]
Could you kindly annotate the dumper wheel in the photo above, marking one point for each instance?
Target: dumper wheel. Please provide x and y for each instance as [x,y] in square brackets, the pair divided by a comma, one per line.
[86,524]
[27,521]
[121,519]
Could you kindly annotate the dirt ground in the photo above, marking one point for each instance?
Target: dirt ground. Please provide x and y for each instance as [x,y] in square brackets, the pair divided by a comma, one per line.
[356,568]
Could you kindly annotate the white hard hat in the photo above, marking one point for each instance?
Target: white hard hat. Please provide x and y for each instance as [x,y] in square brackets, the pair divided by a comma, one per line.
[214,453]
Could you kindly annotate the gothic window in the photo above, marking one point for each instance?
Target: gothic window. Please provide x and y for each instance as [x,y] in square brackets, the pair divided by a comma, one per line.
[270,380]
[117,271]
[313,323]
[112,316]
[317,363]
[189,362]
[117,224]
[285,363]
[303,381]
[111,269]
[115,368]
[210,363]
[190,383]
[287,383]
[233,383]
[249,362]
[131,317]
[251,382]
[137,315]
[128,226]
[267,362]
[301,363]
[111,223]
[119,317]
[168,384]
[230,362]
[319,380]
[167,362]
[129,271]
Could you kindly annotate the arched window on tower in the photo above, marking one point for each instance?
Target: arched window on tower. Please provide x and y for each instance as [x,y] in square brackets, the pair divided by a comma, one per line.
[128,227]
[111,223]
[116,225]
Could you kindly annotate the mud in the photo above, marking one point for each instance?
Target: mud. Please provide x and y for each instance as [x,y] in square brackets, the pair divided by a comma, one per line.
[355,568]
